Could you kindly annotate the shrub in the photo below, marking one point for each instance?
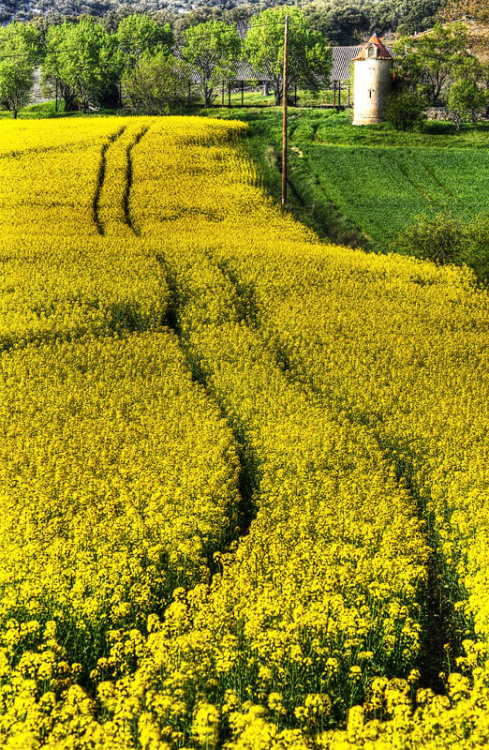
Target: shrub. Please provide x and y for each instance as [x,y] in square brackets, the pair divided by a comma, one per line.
[405,110]
[445,239]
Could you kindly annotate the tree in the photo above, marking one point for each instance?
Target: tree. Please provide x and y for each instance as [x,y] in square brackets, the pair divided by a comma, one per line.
[385,16]
[157,84]
[431,61]
[466,101]
[52,70]
[19,54]
[137,35]
[82,57]
[342,23]
[310,58]
[213,50]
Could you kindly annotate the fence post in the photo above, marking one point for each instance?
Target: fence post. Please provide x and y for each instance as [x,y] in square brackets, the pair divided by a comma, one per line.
[242,92]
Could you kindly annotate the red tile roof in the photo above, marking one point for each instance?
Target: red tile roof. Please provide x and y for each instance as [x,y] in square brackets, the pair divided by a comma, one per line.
[383,53]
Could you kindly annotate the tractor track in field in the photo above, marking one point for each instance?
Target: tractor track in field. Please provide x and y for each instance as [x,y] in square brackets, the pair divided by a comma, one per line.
[437,611]
[130,179]
[407,176]
[101,179]
[247,472]
[434,177]
[102,174]
[439,620]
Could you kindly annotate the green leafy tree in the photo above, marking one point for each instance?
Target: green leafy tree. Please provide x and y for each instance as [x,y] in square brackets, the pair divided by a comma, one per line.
[430,62]
[137,35]
[213,50]
[53,82]
[445,239]
[466,101]
[19,54]
[157,84]
[310,58]
[82,57]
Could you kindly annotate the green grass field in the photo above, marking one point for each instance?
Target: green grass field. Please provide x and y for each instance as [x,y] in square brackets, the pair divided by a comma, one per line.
[363,186]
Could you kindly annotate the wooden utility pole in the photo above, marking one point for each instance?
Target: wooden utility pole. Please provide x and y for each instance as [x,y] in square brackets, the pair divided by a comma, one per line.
[284,126]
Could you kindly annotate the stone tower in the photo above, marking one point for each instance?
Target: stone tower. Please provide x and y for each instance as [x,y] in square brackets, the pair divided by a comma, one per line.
[373,82]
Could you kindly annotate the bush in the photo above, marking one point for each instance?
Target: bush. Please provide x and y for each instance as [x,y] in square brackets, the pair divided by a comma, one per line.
[405,110]
[446,239]
[437,239]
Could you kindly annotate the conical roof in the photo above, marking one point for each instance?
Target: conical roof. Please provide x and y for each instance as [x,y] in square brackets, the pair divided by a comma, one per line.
[382,54]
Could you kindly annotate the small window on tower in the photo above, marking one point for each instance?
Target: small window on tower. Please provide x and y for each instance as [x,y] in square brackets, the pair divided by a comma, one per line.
[371,52]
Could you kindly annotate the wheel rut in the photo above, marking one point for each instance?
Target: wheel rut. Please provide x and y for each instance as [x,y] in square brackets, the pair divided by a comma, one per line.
[101,179]
[129,181]
[439,620]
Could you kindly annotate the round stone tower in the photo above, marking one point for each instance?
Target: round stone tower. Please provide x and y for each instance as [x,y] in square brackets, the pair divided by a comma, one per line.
[373,82]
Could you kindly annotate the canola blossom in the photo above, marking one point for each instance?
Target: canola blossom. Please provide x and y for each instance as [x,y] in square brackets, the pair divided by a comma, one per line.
[239,466]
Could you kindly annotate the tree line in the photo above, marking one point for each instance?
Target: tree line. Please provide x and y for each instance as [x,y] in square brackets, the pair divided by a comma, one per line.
[85,65]
[156,65]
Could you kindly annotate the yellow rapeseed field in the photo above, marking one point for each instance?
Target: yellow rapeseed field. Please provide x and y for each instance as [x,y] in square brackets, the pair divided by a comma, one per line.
[244,474]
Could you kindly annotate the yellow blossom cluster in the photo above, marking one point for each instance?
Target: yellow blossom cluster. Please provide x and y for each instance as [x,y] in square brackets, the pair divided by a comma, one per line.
[393,344]
[119,477]
[351,388]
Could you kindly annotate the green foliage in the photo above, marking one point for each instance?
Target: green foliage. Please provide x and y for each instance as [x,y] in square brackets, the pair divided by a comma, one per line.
[430,62]
[341,23]
[405,110]
[310,58]
[157,84]
[81,57]
[438,239]
[466,101]
[19,53]
[418,15]
[446,239]
[139,34]
[213,50]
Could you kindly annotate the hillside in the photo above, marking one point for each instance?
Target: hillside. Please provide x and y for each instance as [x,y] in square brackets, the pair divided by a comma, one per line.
[25,9]
[244,473]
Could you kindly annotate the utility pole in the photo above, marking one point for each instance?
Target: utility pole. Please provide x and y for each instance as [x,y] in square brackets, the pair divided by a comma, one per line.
[284,126]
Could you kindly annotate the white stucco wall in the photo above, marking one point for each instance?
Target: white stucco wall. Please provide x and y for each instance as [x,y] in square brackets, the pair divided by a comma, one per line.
[372,86]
